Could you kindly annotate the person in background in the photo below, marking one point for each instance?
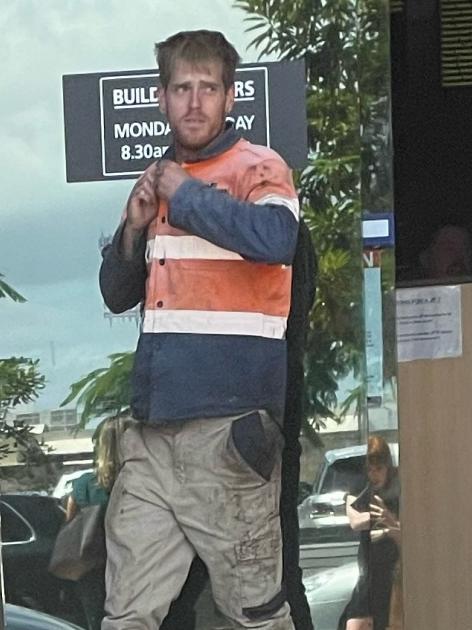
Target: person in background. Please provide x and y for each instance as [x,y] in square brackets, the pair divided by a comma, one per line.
[390,524]
[449,254]
[374,513]
[93,488]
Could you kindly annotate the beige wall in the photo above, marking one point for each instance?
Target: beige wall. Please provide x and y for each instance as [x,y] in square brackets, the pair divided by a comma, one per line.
[435,410]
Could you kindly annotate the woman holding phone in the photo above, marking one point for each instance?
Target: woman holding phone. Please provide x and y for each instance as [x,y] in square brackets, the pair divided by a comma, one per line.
[375,514]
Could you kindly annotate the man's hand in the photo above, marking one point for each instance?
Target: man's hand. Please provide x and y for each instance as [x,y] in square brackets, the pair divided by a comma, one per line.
[169,176]
[141,208]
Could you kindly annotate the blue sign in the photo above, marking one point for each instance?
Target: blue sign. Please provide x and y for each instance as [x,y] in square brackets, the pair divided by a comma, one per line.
[378,229]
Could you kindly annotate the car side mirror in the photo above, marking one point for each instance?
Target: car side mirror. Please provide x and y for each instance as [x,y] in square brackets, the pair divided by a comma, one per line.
[304,491]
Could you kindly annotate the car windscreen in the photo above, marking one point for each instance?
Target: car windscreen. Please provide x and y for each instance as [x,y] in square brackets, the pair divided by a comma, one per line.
[348,475]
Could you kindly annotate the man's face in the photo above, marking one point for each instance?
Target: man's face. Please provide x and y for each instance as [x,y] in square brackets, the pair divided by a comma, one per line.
[196,103]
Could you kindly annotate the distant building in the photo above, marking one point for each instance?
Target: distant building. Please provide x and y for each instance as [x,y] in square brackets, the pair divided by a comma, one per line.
[53,420]
[29,418]
[63,418]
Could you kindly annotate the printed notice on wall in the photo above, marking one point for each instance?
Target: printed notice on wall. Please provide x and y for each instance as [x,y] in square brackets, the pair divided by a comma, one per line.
[429,324]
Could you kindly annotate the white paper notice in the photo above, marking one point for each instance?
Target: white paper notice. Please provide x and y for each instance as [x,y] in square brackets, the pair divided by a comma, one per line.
[429,324]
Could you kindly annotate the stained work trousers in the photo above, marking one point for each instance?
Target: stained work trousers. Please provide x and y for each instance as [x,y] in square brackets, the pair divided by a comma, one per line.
[210,487]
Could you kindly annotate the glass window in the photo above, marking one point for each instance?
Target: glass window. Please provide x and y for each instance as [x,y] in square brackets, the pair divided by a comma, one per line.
[64,343]
[433,218]
[14,527]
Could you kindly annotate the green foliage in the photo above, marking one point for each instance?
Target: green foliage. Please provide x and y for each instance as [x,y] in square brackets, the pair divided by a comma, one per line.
[374,87]
[345,46]
[20,382]
[26,445]
[105,391]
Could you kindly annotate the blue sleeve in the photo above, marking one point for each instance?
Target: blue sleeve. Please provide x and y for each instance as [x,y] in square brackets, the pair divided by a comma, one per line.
[122,282]
[261,233]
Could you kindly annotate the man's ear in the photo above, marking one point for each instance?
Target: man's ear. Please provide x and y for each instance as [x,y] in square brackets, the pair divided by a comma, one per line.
[229,100]
[161,93]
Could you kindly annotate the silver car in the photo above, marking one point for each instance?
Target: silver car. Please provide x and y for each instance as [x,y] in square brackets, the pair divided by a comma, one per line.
[328,592]
[322,515]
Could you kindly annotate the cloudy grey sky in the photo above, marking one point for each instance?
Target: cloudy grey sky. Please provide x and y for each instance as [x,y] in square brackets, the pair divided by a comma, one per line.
[49,229]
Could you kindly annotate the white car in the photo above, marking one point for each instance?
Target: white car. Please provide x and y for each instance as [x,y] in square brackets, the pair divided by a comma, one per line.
[64,485]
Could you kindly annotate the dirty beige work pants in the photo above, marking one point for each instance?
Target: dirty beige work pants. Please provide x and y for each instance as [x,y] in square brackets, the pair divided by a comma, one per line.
[210,487]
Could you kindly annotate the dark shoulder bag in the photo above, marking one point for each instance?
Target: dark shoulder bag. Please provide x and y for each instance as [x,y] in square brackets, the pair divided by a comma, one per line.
[80,544]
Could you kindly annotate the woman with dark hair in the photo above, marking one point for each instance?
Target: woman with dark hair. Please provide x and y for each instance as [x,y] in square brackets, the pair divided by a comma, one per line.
[375,514]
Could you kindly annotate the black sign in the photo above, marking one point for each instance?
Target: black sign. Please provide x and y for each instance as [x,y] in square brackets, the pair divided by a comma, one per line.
[114,128]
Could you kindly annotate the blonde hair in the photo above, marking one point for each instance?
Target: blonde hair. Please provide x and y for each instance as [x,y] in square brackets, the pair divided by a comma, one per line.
[107,450]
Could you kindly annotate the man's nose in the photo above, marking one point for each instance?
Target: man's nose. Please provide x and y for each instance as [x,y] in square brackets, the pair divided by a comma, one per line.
[195,100]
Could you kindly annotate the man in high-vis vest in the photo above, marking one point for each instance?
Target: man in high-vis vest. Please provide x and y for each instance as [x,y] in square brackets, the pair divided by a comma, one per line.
[206,245]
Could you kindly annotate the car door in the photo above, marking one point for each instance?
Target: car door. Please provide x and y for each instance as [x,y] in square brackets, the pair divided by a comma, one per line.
[26,549]
[18,542]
